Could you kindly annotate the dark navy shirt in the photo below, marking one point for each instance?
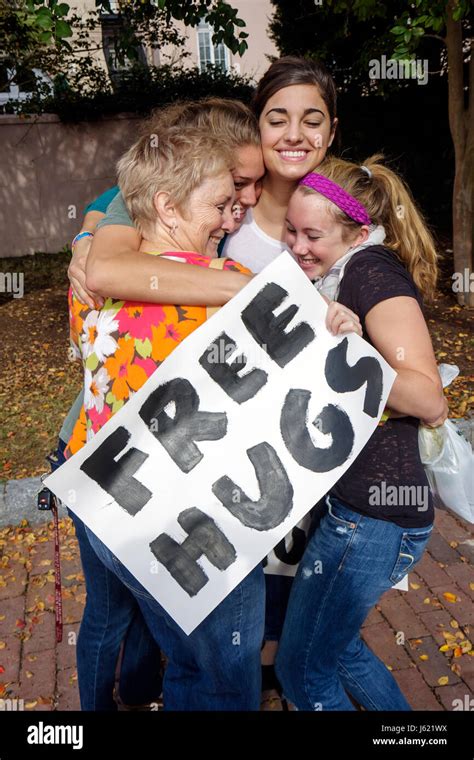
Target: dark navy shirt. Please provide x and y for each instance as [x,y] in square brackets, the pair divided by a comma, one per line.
[387,480]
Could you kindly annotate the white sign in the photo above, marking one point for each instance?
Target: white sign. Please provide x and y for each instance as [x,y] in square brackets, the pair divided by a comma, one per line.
[228,445]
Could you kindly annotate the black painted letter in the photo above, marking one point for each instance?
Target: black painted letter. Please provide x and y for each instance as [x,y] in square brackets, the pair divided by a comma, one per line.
[296,552]
[204,538]
[269,330]
[239,388]
[276,498]
[332,419]
[117,477]
[177,434]
[341,377]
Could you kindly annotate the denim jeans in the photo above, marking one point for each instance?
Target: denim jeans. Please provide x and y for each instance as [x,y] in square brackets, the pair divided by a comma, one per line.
[349,562]
[278,587]
[277,592]
[216,667]
[105,624]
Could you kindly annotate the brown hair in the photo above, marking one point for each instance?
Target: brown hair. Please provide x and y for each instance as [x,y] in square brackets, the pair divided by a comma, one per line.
[291,70]
[228,119]
[176,161]
[389,203]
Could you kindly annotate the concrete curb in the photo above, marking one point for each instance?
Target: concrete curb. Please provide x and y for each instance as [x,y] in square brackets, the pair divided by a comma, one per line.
[18,502]
[18,497]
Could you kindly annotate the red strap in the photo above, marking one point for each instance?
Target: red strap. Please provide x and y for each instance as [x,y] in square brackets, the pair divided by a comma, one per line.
[58,600]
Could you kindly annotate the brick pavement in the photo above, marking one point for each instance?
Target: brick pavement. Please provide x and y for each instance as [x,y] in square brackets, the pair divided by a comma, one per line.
[423,636]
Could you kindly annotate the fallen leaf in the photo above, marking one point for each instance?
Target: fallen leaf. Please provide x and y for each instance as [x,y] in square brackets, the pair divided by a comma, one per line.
[30,705]
[2,645]
[454,624]
[44,700]
[443,680]
[427,600]
[450,597]
[415,586]
[424,657]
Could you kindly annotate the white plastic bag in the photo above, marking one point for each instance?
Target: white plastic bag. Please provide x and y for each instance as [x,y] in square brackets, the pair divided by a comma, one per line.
[448,373]
[449,467]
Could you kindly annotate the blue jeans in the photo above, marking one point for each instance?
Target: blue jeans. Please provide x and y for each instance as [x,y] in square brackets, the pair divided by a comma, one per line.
[105,625]
[277,592]
[216,667]
[349,562]
[278,587]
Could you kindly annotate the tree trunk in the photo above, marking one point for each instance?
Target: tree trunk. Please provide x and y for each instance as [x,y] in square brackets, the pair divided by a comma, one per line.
[461,126]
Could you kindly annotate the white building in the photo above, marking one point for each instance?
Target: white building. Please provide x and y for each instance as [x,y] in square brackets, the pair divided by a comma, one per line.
[199,49]
[254,62]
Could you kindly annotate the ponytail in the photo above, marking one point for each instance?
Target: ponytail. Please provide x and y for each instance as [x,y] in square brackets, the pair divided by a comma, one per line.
[389,203]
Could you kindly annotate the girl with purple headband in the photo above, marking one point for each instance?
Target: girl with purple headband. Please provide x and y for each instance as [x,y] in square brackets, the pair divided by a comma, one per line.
[358,235]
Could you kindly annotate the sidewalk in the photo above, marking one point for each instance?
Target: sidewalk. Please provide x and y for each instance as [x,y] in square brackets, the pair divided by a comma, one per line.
[422,635]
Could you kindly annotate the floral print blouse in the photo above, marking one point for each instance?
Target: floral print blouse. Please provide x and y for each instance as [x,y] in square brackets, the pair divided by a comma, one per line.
[122,344]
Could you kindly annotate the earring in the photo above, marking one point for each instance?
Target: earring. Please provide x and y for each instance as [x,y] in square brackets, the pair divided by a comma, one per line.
[174,227]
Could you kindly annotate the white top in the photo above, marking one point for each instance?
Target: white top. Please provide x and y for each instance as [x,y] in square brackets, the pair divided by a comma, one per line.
[251,246]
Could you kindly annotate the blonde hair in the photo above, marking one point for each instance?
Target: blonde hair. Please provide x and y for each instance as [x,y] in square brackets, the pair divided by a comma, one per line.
[389,203]
[227,119]
[172,160]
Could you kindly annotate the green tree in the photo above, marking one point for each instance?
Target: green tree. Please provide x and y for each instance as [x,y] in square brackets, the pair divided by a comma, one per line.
[448,23]
[31,34]
[48,35]
[347,34]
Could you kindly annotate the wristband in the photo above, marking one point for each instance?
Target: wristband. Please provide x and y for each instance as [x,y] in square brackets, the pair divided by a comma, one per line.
[79,237]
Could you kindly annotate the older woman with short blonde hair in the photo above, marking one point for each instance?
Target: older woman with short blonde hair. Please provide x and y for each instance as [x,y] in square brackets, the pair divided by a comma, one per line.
[179,191]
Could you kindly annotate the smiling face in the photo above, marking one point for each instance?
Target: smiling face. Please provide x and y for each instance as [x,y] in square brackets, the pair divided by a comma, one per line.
[207,216]
[247,175]
[313,235]
[296,131]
